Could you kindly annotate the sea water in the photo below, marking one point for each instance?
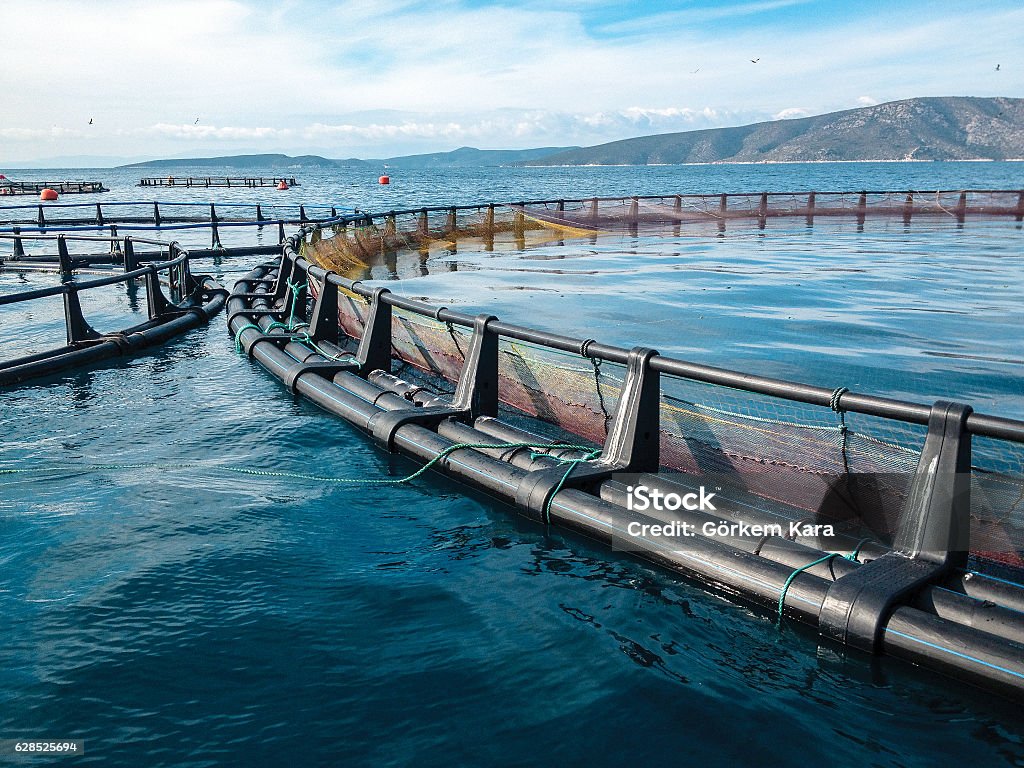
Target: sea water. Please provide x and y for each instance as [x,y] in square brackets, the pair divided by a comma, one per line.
[168,607]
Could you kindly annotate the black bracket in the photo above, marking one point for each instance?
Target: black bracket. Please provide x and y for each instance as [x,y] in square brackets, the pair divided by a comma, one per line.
[632,445]
[78,328]
[933,538]
[323,324]
[278,339]
[325,369]
[374,351]
[249,314]
[476,393]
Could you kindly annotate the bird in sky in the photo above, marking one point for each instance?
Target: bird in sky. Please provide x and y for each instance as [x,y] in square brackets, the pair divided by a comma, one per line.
[196,122]
[997,67]
[695,71]
[754,61]
[90,121]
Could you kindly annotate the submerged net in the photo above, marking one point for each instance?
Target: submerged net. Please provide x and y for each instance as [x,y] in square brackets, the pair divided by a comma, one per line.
[350,246]
[788,460]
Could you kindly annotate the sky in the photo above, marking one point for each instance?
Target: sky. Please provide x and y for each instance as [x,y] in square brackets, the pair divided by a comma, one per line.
[199,78]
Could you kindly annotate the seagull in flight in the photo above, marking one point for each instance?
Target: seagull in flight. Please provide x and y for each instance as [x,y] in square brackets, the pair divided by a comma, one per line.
[695,71]
[754,61]
[196,122]
[997,67]
[90,121]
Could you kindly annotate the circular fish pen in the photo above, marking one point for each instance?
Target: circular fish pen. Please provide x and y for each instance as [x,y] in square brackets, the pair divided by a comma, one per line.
[892,527]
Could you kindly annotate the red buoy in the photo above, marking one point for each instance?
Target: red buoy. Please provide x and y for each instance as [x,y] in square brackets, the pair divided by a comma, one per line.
[282,185]
[2,177]
[48,194]
[384,179]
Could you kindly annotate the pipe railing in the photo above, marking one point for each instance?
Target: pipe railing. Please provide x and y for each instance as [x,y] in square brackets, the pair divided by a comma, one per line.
[161,212]
[179,280]
[871,405]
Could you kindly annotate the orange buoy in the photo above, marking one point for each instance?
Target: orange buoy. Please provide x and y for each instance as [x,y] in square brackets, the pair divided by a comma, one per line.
[48,194]
[384,179]
[282,185]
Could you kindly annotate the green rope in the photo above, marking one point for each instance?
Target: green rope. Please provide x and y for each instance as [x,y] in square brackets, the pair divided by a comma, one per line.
[856,550]
[794,574]
[293,289]
[291,475]
[240,331]
[591,454]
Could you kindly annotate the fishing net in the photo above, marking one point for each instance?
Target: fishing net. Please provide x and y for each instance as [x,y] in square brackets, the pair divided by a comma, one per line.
[788,460]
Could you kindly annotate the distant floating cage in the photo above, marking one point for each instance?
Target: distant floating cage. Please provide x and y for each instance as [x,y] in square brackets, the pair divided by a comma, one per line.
[924,558]
[8,187]
[217,181]
[189,301]
[357,239]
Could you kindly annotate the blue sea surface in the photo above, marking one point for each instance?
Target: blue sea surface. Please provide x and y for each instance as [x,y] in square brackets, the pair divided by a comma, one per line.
[170,604]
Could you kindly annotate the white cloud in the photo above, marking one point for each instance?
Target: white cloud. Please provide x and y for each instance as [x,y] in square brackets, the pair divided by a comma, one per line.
[296,75]
[791,112]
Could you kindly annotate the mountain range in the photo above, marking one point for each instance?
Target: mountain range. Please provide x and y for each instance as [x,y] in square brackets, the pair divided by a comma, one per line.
[931,128]
[937,128]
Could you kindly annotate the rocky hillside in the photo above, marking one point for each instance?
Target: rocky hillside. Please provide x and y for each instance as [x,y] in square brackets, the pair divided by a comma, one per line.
[939,128]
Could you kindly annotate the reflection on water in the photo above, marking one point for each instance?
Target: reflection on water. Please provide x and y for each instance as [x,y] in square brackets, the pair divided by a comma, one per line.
[921,311]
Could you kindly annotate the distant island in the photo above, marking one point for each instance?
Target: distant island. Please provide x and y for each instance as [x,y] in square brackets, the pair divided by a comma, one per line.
[932,128]
[465,157]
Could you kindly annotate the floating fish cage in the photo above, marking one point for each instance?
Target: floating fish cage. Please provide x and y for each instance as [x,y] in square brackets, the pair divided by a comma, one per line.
[191,301]
[892,528]
[355,239]
[157,213]
[244,182]
[8,187]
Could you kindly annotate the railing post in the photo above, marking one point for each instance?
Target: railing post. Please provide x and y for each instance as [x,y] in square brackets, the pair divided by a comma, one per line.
[42,218]
[156,214]
[129,255]
[477,390]
[374,352]
[634,438]
[214,232]
[323,323]
[64,259]
[811,202]
[961,207]
[99,215]
[156,302]
[78,329]
[302,214]
[862,208]
[19,247]
[422,229]
[280,232]
[933,537]
[115,242]
[908,208]
[259,212]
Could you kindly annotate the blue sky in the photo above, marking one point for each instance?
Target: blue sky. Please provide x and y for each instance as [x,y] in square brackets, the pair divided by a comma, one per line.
[377,79]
